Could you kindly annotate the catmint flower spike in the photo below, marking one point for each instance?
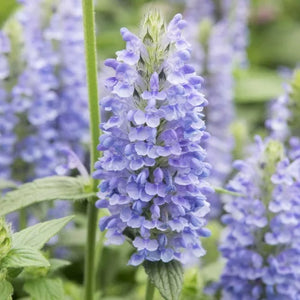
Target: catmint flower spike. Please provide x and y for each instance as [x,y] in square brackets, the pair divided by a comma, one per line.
[261,242]
[153,169]
[5,239]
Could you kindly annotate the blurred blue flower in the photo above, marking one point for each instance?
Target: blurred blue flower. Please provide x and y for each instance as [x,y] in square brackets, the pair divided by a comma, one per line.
[8,118]
[262,237]
[50,93]
[218,33]
[45,125]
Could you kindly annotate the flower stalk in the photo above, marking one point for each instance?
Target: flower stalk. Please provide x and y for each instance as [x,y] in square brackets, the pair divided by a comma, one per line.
[92,85]
[150,290]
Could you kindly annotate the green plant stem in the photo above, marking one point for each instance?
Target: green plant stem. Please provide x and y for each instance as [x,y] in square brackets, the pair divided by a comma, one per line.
[92,81]
[99,251]
[89,268]
[150,290]
[92,84]
[22,219]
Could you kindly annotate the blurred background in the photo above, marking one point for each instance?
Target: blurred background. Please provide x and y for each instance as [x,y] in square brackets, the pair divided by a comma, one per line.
[274,41]
[273,52]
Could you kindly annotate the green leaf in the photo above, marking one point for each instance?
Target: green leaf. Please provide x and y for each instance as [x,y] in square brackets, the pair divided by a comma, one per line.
[276,44]
[24,257]
[13,273]
[36,236]
[211,244]
[56,264]
[6,290]
[257,85]
[220,190]
[167,277]
[7,184]
[212,272]
[73,290]
[7,8]
[45,289]
[45,189]
[73,238]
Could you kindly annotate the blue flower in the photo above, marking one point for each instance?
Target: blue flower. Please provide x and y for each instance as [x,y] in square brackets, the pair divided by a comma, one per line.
[48,96]
[50,92]
[8,118]
[153,167]
[282,122]
[262,237]
[219,37]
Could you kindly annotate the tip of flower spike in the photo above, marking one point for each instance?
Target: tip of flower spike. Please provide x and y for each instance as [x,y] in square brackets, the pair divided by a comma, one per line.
[273,153]
[5,238]
[153,26]
[177,22]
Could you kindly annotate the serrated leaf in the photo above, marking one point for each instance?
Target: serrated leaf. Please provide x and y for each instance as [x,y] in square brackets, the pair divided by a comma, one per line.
[167,277]
[45,189]
[36,236]
[7,184]
[24,257]
[56,264]
[6,290]
[45,289]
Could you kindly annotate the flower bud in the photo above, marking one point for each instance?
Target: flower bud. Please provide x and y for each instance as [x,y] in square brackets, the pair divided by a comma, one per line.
[5,239]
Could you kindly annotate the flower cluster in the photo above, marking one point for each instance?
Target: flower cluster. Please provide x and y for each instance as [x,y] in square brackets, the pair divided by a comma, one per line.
[50,95]
[46,110]
[237,12]
[217,33]
[282,122]
[220,111]
[279,114]
[153,167]
[8,119]
[262,237]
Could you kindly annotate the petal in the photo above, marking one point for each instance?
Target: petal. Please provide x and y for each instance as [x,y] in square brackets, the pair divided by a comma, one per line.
[167,255]
[139,117]
[124,90]
[154,82]
[115,238]
[139,243]
[141,148]
[136,164]
[136,222]
[137,258]
[126,214]
[132,190]
[158,175]
[151,245]
[151,189]
[153,120]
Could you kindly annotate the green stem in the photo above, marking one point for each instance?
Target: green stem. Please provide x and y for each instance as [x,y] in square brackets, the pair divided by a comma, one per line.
[92,81]
[92,84]
[89,268]
[150,290]
[99,252]
[22,219]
